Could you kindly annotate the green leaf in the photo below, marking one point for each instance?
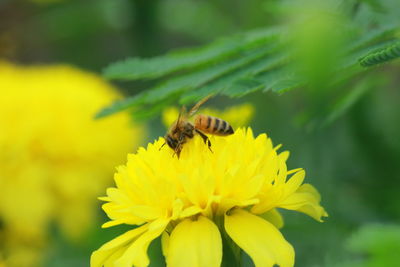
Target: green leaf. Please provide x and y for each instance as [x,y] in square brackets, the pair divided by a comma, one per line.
[282,80]
[253,61]
[375,238]
[120,105]
[370,37]
[379,243]
[222,85]
[347,101]
[242,87]
[155,254]
[277,80]
[187,82]
[350,66]
[140,68]
[380,56]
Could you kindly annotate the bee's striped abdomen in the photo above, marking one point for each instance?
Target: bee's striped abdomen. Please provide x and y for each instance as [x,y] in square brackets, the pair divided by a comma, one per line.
[212,125]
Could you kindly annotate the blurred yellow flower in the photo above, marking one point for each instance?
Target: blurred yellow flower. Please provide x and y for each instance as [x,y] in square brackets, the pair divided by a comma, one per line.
[196,200]
[54,158]
[237,116]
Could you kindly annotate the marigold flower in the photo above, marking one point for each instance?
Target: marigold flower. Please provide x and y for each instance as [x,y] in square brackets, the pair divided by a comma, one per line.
[54,158]
[192,200]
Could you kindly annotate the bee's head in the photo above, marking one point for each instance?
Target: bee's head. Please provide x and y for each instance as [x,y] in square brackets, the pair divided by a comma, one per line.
[171,142]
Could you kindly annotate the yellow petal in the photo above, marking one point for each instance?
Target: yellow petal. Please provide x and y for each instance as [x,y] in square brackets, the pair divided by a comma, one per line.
[305,199]
[104,198]
[195,244]
[281,178]
[177,208]
[307,188]
[112,223]
[110,261]
[190,211]
[294,182]
[136,253]
[229,203]
[259,239]
[165,243]
[274,217]
[145,212]
[294,171]
[107,250]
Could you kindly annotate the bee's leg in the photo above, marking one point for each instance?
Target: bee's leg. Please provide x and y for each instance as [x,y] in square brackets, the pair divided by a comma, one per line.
[177,151]
[178,148]
[162,146]
[205,139]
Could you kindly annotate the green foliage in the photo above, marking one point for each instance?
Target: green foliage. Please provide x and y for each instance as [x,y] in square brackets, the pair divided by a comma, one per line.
[379,244]
[139,68]
[271,58]
[347,100]
[382,55]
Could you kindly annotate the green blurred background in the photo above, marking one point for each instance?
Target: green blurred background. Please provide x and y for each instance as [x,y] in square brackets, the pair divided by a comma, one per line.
[353,158]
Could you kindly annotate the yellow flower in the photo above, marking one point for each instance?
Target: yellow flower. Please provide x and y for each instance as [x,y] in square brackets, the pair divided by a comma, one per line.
[237,116]
[54,158]
[194,200]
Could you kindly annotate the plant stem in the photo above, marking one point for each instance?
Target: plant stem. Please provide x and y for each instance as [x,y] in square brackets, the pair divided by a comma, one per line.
[232,254]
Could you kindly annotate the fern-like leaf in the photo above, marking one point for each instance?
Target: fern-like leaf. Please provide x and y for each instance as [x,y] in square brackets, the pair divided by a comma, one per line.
[380,56]
[188,82]
[183,59]
[224,84]
[239,65]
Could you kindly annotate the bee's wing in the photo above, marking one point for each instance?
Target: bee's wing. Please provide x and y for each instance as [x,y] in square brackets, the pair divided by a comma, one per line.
[196,107]
[181,115]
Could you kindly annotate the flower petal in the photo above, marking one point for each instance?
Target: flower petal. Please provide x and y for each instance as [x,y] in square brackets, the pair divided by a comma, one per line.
[195,243]
[306,199]
[294,182]
[101,255]
[165,243]
[259,239]
[190,211]
[136,253]
[274,217]
[281,177]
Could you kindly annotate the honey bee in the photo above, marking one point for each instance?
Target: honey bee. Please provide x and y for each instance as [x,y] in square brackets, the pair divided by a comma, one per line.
[182,129]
